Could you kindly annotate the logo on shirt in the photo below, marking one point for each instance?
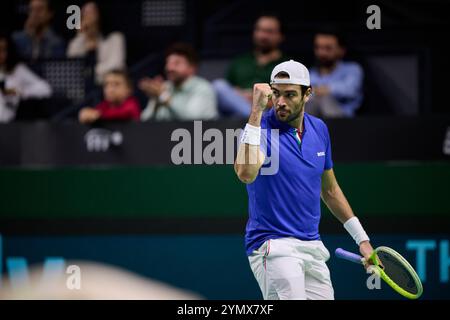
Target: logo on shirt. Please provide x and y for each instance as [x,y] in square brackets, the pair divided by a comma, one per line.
[321,154]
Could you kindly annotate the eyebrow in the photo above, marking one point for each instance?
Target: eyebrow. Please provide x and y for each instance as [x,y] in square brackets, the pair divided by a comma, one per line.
[287,91]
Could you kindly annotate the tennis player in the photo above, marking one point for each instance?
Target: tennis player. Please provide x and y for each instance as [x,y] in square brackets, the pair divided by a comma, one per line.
[282,237]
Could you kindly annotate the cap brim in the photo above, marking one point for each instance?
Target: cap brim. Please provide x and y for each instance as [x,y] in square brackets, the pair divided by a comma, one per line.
[289,81]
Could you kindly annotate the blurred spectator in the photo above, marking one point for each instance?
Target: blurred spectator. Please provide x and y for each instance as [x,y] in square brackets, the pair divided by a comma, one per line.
[184,96]
[17,82]
[38,40]
[235,93]
[118,104]
[106,52]
[337,85]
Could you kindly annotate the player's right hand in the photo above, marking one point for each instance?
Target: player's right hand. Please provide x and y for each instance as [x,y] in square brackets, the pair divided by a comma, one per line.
[262,96]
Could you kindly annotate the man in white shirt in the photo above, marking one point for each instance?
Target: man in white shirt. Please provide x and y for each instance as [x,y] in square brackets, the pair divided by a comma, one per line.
[184,96]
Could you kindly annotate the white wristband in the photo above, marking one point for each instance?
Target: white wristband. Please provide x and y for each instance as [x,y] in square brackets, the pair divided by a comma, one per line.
[355,229]
[251,135]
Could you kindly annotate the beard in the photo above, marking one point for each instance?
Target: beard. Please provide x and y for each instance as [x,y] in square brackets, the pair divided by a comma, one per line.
[291,117]
[325,63]
[175,78]
[264,47]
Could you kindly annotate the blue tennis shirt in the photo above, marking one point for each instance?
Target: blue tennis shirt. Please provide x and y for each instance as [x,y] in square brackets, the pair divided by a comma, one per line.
[287,203]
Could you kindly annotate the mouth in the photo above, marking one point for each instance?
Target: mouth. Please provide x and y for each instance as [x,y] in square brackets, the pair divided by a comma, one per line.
[282,113]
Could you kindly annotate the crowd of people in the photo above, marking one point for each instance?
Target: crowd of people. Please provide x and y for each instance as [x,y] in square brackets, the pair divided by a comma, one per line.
[180,93]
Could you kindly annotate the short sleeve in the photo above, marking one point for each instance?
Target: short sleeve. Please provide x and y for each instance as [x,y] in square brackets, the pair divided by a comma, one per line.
[328,157]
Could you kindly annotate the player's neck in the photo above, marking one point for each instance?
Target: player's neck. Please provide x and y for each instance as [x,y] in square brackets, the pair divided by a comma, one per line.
[297,123]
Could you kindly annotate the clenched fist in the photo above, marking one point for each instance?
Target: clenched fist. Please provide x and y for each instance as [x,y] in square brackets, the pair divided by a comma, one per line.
[262,96]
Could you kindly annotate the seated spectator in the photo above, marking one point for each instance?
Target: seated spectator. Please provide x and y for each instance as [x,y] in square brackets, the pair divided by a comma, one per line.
[184,96]
[337,85]
[17,81]
[235,93]
[107,52]
[38,40]
[118,103]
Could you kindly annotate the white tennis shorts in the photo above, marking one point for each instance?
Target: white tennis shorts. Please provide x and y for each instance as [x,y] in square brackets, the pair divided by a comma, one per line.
[292,269]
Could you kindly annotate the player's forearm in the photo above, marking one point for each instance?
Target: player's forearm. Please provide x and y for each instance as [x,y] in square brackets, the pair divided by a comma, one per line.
[255,117]
[248,162]
[249,157]
[336,201]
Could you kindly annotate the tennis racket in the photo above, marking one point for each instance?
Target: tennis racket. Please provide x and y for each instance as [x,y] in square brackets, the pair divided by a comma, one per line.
[394,270]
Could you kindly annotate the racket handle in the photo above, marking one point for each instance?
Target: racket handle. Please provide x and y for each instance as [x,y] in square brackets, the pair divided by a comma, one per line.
[349,256]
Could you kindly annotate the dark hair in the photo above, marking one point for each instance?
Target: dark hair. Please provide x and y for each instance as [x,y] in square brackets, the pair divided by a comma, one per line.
[275,16]
[185,50]
[122,73]
[333,31]
[285,75]
[103,24]
[12,58]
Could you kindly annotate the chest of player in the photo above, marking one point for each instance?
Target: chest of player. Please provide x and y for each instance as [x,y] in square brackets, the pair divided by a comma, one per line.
[305,156]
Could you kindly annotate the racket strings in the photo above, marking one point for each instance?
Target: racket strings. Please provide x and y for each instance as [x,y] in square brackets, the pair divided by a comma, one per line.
[398,272]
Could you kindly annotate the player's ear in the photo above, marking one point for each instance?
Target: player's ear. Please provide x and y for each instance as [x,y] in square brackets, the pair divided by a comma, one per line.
[308,94]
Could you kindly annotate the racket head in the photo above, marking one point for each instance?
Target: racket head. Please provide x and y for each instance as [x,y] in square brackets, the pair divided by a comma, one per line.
[397,272]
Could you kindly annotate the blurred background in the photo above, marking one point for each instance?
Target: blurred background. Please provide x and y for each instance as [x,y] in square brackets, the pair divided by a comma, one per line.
[87,117]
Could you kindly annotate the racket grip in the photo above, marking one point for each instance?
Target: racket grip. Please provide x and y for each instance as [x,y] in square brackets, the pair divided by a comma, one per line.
[349,256]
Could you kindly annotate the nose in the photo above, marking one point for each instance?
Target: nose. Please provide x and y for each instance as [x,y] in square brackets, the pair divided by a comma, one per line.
[281,102]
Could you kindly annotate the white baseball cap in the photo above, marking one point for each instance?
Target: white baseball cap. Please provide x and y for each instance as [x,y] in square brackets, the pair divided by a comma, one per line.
[298,73]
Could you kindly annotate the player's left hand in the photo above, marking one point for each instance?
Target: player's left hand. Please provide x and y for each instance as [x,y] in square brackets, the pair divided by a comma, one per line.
[366,250]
